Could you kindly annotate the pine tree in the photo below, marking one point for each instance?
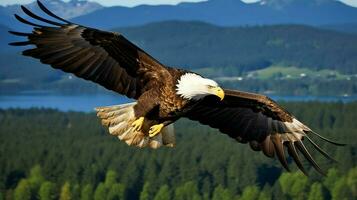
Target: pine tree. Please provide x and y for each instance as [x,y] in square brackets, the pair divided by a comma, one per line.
[163,193]
[76,192]
[90,173]
[47,191]
[150,174]
[250,174]
[299,187]
[266,193]
[87,192]
[285,182]
[340,190]
[116,192]
[66,192]
[23,190]
[332,176]
[110,179]
[294,185]
[352,181]
[188,191]
[316,192]
[145,193]
[250,193]
[233,174]
[277,192]
[36,178]
[100,192]
[221,193]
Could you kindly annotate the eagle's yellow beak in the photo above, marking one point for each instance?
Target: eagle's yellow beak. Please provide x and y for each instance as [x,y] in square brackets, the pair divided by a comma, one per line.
[218,92]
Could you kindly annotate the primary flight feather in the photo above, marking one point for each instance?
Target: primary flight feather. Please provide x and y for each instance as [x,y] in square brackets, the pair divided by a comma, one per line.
[163,94]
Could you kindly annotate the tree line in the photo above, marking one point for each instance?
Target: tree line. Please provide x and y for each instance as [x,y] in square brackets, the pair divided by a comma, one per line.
[295,185]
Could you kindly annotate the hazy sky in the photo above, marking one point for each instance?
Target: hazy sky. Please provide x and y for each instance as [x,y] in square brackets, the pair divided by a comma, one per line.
[137,2]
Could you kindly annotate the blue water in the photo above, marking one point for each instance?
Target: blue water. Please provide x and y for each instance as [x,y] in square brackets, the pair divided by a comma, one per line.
[87,103]
[84,103]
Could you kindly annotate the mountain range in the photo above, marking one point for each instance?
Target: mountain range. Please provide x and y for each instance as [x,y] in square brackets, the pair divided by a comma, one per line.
[70,9]
[217,12]
[227,13]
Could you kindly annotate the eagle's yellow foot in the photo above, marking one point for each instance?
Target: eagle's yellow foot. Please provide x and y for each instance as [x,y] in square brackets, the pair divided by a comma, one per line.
[154,130]
[137,124]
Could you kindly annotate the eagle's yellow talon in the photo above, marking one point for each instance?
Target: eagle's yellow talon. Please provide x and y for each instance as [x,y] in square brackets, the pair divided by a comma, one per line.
[154,130]
[137,124]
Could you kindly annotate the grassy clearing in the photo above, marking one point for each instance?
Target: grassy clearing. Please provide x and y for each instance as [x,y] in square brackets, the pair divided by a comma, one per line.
[282,72]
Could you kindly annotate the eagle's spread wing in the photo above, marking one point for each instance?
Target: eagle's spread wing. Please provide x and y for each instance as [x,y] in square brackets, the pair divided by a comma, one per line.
[256,119]
[106,58]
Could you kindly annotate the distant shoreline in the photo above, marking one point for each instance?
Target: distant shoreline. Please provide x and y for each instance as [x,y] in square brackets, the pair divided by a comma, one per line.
[87,102]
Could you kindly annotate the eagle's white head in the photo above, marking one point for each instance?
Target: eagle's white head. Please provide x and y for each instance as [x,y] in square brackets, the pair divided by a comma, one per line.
[194,87]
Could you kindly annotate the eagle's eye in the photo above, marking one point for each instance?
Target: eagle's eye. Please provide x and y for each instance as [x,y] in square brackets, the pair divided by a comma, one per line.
[210,86]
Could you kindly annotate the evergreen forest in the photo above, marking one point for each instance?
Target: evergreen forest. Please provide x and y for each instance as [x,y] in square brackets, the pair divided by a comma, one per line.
[47,154]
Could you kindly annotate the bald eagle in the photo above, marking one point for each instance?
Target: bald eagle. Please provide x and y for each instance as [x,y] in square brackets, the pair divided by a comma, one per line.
[163,94]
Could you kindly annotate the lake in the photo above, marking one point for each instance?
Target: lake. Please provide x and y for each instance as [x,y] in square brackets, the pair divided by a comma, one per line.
[87,103]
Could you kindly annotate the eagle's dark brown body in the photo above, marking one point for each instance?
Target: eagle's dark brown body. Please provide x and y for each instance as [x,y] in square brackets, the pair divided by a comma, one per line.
[161,104]
[115,63]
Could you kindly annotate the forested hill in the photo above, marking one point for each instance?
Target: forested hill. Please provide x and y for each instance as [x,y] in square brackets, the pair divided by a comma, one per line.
[347,28]
[196,44]
[46,154]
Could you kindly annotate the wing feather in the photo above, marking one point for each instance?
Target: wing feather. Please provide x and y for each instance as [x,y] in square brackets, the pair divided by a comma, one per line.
[29,13]
[106,58]
[259,121]
[293,153]
[44,9]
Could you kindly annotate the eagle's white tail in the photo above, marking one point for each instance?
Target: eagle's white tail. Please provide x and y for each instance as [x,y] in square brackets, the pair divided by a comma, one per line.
[118,119]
